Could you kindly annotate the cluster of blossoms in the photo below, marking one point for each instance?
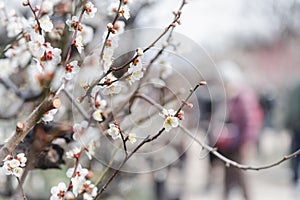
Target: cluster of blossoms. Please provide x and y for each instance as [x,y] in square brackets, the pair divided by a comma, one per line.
[110,85]
[115,132]
[14,166]
[45,55]
[46,58]
[111,43]
[171,121]
[83,144]
[123,12]
[135,69]
[79,185]
[71,69]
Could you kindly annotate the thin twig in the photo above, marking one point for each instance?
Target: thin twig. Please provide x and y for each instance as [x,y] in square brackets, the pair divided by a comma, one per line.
[102,175]
[77,162]
[214,151]
[113,69]
[109,32]
[233,163]
[21,188]
[74,37]
[35,17]
[146,140]
[74,102]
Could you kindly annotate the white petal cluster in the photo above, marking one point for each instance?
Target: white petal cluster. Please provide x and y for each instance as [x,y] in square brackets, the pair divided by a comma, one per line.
[74,23]
[49,115]
[73,153]
[90,10]
[132,138]
[110,87]
[14,166]
[46,23]
[58,192]
[124,10]
[170,120]
[114,131]
[14,23]
[136,69]
[72,68]
[8,67]
[77,178]
[89,190]
[46,56]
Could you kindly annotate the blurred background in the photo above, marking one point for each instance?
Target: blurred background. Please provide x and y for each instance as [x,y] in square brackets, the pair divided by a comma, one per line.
[260,42]
[262,39]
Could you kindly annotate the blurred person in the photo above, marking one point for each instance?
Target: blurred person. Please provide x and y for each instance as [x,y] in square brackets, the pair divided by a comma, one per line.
[243,122]
[292,116]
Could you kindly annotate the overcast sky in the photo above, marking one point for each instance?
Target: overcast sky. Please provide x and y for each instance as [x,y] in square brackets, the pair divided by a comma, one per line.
[216,23]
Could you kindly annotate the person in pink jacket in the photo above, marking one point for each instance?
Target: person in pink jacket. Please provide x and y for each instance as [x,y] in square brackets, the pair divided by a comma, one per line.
[242,125]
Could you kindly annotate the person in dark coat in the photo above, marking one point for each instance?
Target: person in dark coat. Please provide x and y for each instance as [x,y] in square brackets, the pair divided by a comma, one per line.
[293,125]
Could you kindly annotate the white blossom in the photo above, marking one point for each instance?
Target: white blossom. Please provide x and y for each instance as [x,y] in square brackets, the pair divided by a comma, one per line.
[89,190]
[8,67]
[36,45]
[73,153]
[79,129]
[110,87]
[166,69]
[46,23]
[114,131]
[139,51]
[132,138]
[78,43]
[97,115]
[15,26]
[136,73]
[77,178]
[58,192]
[47,6]
[22,159]
[72,68]
[51,56]
[99,103]
[90,149]
[73,23]
[119,26]
[125,12]
[80,172]
[170,120]
[90,10]
[87,34]
[49,115]
[14,166]
[17,171]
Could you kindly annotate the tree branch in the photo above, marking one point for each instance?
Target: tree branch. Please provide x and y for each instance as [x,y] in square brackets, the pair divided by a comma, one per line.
[23,128]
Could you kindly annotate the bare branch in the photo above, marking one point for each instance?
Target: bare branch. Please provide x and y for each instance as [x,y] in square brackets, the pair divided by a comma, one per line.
[229,162]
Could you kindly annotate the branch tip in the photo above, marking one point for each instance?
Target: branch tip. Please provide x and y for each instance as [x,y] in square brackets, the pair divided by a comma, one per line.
[201,83]
[56,103]
[20,126]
